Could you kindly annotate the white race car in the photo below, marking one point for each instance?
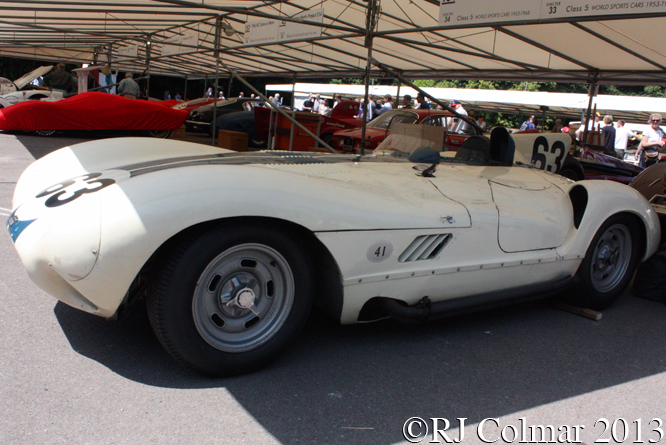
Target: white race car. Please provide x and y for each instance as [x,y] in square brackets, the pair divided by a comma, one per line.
[232,249]
[12,92]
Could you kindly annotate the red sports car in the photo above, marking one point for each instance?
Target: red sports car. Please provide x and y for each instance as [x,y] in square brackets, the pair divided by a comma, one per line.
[379,128]
[343,116]
[92,111]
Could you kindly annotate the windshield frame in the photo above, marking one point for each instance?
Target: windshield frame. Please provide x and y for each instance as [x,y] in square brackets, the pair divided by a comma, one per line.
[383,120]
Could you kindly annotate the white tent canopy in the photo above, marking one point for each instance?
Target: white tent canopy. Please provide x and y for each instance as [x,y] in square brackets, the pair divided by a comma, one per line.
[509,40]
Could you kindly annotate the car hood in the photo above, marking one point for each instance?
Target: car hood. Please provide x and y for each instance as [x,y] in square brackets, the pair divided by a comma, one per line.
[356,133]
[377,193]
[32,75]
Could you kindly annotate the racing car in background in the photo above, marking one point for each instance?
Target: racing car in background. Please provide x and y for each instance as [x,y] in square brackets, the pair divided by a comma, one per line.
[14,92]
[93,111]
[349,140]
[231,250]
[341,117]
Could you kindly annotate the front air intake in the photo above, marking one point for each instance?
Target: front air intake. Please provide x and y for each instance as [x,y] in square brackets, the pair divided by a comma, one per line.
[425,247]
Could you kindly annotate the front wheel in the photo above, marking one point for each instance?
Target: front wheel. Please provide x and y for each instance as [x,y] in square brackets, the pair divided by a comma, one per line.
[610,262]
[256,142]
[229,301]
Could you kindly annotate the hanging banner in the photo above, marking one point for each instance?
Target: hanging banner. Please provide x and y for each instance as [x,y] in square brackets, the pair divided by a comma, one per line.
[261,31]
[300,31]
[191,40]
[579,8]
[465,12]
[129,51]
[272,31]
[461,12]
[174,45]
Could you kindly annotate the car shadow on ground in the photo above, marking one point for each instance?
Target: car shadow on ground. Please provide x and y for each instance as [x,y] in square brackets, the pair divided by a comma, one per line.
[40,146]
[336,383]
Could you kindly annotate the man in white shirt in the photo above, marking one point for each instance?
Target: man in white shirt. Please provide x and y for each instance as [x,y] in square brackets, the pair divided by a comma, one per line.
[317,104]
[622,135]
[458,125]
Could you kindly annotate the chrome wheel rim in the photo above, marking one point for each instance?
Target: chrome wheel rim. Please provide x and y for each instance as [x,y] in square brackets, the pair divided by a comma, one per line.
[611,258]
[243,298]
[45,132]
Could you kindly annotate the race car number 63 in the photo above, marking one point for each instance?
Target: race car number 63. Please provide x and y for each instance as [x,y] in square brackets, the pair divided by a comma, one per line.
[71,189]
[548,157]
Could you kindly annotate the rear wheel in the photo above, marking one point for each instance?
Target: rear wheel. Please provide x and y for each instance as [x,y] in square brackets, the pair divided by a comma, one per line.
[229,301]
[610,262]
[161,134]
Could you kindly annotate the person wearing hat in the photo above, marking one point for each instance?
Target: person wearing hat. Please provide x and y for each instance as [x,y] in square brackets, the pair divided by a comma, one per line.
[458,125]
[558,126]
[528,124]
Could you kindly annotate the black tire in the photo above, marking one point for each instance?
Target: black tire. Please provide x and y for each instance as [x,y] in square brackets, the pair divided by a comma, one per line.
[609,264]
[229,300]
[256,142]
[160,134]
[45,133]
[328,137]
[572,169]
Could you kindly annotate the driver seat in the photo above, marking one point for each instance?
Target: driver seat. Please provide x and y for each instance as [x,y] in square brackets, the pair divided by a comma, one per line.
[475,150]
[502,147]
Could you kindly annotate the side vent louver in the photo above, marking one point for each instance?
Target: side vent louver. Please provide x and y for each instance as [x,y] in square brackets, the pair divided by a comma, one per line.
[425,247]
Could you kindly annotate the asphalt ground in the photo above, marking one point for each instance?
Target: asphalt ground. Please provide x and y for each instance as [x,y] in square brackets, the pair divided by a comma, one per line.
[67,377]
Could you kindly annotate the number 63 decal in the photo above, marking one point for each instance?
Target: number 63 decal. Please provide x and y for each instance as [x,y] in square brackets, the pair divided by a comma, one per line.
[71,189]
[548,157]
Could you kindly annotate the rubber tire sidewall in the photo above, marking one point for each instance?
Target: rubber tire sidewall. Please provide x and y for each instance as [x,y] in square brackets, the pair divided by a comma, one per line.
[158,134]
[170,302]
[587,295]
[572,169]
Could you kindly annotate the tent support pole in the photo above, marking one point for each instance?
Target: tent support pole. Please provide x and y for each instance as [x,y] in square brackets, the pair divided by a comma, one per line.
[218,34]
[148,46]
[215,100]
[278,109]
[370,23]
[591,93]
[397,94]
